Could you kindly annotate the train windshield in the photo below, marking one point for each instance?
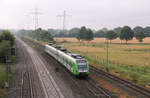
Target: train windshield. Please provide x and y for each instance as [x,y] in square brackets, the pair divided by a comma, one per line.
[81,61]
[82,64]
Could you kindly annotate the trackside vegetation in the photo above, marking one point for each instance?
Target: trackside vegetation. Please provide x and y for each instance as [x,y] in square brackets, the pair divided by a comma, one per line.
[6,44]
[130,61]
[39,35]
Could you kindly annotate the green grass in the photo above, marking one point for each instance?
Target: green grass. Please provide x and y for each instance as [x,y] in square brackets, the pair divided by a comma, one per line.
[131,61]
[2,75]
[3,78]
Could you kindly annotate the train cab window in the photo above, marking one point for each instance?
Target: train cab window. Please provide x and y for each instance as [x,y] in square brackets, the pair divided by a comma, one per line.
[77,56]
[63,50]
[81,61]
[58,47]
[50,44]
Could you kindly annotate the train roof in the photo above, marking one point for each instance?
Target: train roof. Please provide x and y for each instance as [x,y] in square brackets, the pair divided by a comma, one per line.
[63,50]
[58,47]
[50,43]
[75,56]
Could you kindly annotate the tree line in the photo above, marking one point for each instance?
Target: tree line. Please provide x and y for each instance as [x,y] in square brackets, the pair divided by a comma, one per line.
[125,33]
[97,33]
[39,34]
[6,43]
[87,34]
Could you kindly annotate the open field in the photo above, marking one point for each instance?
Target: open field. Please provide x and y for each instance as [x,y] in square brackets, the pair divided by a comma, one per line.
[102,40]
[130,61]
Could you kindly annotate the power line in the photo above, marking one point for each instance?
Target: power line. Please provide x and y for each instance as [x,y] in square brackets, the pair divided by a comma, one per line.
[64,20]
[36,14]
[107,53]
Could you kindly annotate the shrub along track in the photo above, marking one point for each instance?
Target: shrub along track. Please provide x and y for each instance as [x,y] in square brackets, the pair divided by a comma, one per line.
[127,86]
[83,88]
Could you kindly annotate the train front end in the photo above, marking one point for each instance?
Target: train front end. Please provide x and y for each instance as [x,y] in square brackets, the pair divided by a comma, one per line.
[82,67]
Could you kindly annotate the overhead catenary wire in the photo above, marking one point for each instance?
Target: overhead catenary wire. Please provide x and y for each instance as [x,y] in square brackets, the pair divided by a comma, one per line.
[36,14]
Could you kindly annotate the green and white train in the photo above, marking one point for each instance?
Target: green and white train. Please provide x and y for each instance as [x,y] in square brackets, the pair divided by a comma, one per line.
[77,65]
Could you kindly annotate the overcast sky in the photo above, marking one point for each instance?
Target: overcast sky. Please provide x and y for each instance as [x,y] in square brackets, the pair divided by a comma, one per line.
[94,14]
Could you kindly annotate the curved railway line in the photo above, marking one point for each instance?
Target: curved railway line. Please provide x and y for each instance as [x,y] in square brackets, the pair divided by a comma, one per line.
[26,83]
[88,87]
[48,84]
[27,87]
[131,85]
[23,83]
[100,91]
[140,91]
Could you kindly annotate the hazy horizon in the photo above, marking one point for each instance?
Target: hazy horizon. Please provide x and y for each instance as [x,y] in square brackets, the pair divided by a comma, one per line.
[95,14]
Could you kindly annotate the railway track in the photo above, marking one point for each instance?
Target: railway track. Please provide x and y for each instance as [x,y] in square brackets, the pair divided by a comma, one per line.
[91,86]
[25,82]
[26,79]
[100,91]
[131,85]
[49,86]
[141,92]
[88,87]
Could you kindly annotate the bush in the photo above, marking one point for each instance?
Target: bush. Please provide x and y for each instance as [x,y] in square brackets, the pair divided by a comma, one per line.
[6,35]
[5,49]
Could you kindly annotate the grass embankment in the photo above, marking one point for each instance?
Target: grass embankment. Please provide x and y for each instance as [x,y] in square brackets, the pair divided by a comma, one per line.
[38,41]
[130,61]
[3,76]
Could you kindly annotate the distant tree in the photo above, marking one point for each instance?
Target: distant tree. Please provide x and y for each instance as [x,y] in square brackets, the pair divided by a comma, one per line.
[89,35]
[126,34]
[117,30]
[139,36]
[6,35]
[147,31]
[43,35]
[110,35]
[55,32]
[85,34]
[99,33]
[73,32]
[104,29]
[39,34]
[138,29]
[81,35]
[121,37]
